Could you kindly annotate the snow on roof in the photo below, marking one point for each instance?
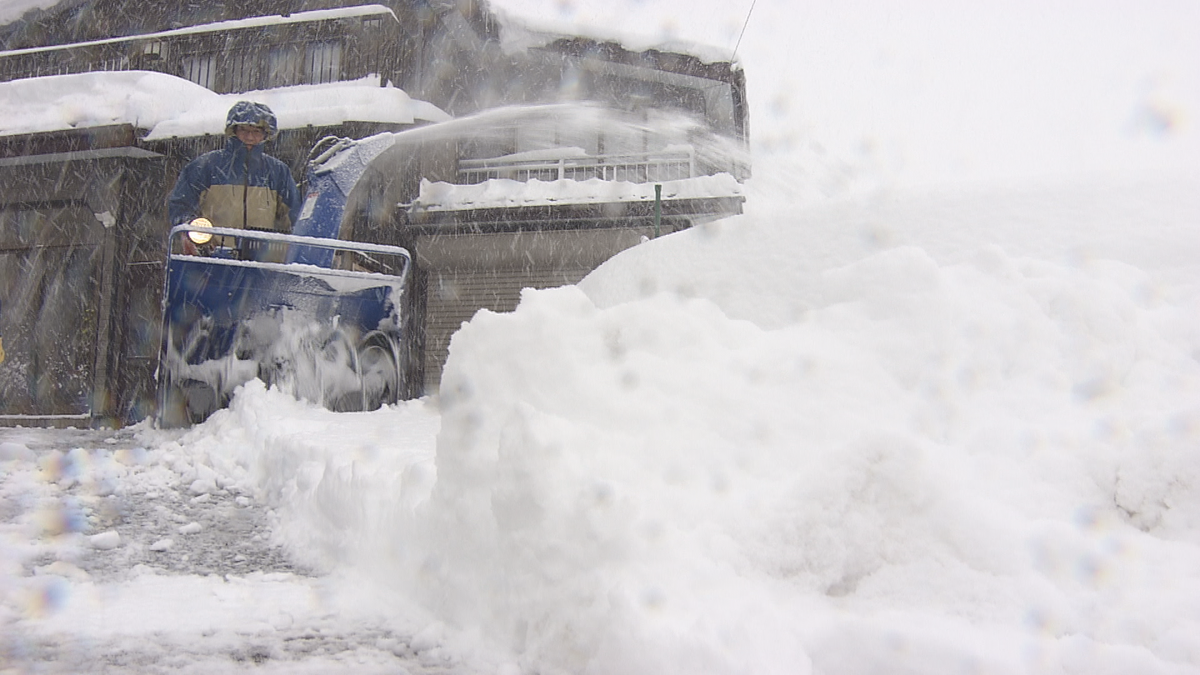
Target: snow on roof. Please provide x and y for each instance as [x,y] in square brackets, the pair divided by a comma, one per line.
[521,32]
[232,24]
[170,106]
[61,102]
[501,192]
[362,100]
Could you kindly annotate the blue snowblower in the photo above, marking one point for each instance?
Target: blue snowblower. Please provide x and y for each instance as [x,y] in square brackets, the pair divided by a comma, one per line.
[308,313]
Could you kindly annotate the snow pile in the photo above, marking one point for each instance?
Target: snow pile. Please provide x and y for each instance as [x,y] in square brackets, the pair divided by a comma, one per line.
[935,434]
[992,463]
[930,453]
[500,192]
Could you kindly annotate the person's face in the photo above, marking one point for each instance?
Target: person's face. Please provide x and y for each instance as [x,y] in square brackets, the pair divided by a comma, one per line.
[249,134]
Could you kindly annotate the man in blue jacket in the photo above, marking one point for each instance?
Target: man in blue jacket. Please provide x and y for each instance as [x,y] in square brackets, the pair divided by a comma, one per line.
[238,186]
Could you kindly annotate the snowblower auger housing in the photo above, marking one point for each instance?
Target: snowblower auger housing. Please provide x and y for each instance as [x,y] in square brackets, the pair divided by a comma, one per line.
[327,332]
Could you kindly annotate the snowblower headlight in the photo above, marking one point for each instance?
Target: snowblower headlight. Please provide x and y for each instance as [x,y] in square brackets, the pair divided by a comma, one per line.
[198,237]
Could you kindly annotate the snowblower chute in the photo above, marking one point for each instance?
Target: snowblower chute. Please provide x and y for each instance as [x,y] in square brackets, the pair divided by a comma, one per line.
[317,317]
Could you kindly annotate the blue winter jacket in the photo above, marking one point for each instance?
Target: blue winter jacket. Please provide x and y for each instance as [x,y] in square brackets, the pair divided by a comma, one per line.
[236,187]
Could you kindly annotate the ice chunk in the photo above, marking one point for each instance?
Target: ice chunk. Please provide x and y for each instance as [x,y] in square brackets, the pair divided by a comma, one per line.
[105,541]
[162,545]
[191,528]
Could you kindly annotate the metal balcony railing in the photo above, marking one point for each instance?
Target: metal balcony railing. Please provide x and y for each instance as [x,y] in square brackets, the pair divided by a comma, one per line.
[641,167]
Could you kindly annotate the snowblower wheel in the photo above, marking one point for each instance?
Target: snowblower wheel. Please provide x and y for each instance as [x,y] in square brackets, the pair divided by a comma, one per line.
[339,374]
[187,403]
[379,360]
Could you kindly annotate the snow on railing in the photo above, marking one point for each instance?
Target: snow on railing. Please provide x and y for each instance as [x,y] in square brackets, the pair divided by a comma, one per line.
[674,163]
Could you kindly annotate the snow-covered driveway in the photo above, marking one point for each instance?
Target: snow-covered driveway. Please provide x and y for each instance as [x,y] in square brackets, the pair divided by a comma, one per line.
[120,552]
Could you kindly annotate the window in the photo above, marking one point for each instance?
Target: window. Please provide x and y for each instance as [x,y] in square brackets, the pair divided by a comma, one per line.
[199,69]
[244,70]
[152,50]
[323,62]
[282,66]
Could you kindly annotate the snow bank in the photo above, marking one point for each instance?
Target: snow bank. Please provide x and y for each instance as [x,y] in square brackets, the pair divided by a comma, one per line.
[991,463]
[937,434]
[833,440]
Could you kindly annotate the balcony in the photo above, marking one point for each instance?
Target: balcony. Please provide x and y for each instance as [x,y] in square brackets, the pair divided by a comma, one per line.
[674,163]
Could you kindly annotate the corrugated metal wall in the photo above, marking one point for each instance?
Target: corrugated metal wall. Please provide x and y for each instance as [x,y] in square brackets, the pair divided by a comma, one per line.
[56,279]
[454,296]
[469,272]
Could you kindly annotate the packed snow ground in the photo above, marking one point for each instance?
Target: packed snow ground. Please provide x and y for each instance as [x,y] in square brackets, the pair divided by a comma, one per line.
[126,552]
[937,433]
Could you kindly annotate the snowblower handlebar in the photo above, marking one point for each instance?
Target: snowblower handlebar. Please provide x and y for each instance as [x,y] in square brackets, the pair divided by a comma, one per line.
[349,258]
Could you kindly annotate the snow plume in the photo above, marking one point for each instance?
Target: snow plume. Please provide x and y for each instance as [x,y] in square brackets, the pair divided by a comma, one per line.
[563,125]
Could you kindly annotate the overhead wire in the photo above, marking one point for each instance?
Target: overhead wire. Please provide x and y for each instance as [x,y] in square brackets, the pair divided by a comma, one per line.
[743,33]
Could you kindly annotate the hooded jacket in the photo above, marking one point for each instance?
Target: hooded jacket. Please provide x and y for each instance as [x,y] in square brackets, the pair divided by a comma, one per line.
[236,187]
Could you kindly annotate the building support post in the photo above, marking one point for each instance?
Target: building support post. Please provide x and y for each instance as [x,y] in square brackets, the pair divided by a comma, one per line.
[657,209]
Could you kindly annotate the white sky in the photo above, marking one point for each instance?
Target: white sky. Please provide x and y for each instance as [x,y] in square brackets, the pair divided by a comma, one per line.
[938,91]
[11,10]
